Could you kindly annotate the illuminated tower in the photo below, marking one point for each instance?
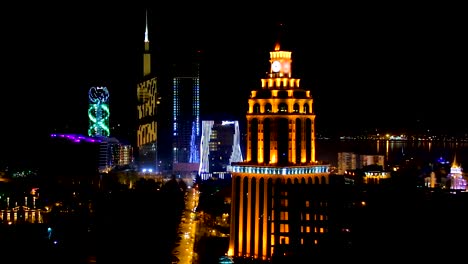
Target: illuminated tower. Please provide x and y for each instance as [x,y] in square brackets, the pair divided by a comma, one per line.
[98,112]
[147,100]
[457,180]
[276,203]
[186,124]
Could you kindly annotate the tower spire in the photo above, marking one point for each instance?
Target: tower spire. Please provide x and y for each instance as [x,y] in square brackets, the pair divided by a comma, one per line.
[454,163]
[146,54]
[279,36]
[146,26]
[279,58]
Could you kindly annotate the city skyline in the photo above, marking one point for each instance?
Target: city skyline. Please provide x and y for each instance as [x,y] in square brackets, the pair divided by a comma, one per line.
[387,66]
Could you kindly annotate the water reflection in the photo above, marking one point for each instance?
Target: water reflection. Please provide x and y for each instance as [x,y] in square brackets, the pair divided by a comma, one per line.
[394,151]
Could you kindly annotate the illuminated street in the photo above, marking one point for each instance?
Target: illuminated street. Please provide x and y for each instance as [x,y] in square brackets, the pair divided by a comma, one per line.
[183,251]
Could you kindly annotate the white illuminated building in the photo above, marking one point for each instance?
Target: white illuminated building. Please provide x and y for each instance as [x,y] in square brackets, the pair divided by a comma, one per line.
[219,147]
[456,178]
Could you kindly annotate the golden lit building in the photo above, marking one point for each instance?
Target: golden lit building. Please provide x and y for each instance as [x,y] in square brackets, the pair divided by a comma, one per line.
[147,101]
[278,203]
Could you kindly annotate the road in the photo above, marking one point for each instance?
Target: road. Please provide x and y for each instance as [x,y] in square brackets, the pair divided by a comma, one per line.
[184,250]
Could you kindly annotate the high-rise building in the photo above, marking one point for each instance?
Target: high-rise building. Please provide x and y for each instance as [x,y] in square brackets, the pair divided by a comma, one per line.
[219,147]
[98,112]
[347,161]
[367,160]
[186,123]
[125,155]
[352,161]
[109,153]
[147,101]
[278,203]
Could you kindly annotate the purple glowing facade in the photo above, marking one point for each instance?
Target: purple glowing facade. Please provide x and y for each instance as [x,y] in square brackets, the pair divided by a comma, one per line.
[77,138]
[108,152]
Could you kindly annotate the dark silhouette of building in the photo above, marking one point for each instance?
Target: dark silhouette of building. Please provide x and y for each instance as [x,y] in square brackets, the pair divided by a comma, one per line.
[72,161]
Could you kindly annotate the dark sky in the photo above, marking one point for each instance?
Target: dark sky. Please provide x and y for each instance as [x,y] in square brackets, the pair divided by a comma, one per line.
[385,65]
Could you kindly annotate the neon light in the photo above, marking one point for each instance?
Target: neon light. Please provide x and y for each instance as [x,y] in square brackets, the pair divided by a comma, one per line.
[98,112]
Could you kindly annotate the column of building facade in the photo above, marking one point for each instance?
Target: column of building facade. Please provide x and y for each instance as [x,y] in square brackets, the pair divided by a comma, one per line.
[249,140]
[292,142]
[240,232]
[233,216]
[261,141]
[249,216]
[265,218]
[257,216]
[274,141]
[312,138]
[303,140]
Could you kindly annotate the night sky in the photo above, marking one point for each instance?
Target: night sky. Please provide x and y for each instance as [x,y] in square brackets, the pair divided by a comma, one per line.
[384,65]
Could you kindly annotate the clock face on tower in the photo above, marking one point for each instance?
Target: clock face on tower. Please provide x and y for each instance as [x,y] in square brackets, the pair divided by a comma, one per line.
[276,66]
[286,67]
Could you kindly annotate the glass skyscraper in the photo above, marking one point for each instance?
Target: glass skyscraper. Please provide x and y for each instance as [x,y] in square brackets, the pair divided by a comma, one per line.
[186,114]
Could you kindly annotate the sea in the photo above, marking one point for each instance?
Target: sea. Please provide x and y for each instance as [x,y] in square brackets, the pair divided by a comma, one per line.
[396,151]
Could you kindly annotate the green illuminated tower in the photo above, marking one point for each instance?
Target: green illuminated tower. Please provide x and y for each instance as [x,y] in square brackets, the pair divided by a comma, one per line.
[98,112]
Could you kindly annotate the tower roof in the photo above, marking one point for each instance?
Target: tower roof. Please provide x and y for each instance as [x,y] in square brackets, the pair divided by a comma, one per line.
[454,163]
[279,36]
